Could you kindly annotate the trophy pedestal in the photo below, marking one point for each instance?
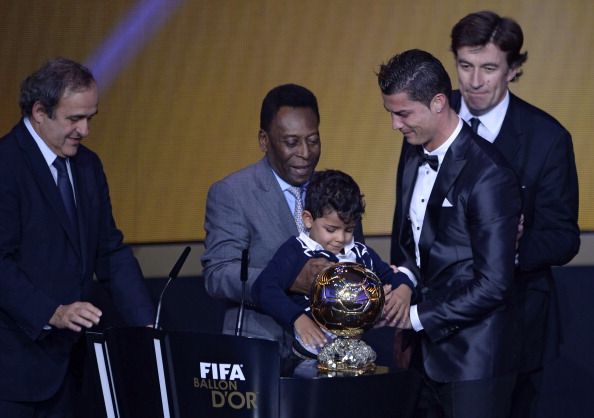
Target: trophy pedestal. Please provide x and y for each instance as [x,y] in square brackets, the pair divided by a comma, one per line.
[347,356]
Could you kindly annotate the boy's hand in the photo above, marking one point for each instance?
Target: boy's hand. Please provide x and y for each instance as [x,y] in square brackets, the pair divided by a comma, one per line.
[396,307]
[309,332]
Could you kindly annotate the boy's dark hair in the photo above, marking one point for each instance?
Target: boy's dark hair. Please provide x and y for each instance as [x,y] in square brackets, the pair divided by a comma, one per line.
[333,190]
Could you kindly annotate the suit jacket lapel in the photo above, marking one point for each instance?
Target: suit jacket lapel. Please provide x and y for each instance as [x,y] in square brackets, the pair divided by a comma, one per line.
[82,207]
[268,190]
[508,140]
[451,166]
[409,176]
[46,183]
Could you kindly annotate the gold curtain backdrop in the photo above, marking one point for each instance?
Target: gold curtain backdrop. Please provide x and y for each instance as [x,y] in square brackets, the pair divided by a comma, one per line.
[181,109]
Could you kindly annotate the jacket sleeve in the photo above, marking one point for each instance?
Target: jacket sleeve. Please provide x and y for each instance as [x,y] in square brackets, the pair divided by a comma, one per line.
[551,236]
[386,274]
[270,290]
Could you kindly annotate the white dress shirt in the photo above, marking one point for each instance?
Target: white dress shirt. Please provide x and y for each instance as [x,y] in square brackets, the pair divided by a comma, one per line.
[426,177]
[490,122]
[49,155]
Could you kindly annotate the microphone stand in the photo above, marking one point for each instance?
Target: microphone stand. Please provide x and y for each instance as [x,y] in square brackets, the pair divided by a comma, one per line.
[172,275]
[243,276]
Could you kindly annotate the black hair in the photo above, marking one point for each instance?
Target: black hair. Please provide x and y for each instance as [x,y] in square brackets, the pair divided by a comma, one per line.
[333,190]
[417,73]
[291,95]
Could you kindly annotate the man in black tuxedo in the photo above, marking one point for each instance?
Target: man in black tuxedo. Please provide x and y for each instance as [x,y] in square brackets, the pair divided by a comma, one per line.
[460,210]
[487,50]
[56,231]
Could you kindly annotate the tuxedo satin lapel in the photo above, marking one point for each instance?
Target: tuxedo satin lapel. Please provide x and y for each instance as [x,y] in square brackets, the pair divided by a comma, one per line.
[47,185]
[409,175]
[451,167]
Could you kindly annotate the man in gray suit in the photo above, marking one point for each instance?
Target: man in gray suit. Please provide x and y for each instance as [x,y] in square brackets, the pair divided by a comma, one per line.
[254,208]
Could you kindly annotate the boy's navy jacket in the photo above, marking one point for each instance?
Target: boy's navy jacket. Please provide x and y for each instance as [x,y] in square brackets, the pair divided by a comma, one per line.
[271,290]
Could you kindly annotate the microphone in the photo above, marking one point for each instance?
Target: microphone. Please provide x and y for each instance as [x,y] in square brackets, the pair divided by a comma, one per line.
[243,276]
[172,275]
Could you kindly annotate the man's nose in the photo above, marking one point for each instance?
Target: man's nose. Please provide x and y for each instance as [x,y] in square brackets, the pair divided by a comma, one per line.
[476,79]
[303,150]
[396,123]
[83,128]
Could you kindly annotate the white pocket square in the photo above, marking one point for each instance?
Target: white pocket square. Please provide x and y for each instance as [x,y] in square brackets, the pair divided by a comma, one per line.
[446,203]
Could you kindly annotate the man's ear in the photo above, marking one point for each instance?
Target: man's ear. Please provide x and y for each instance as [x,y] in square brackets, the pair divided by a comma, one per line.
[511,73]
[263,140]
[307,218]
[38,113]
[438,103]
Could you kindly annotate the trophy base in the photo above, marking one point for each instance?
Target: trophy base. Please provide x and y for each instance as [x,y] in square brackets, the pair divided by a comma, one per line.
[346,356]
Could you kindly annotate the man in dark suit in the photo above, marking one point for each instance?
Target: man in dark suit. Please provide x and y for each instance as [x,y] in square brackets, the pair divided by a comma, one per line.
[487,50]
[56,231]
[460,209]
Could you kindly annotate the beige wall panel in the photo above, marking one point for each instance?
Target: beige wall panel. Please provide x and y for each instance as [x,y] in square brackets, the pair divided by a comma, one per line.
[184,111]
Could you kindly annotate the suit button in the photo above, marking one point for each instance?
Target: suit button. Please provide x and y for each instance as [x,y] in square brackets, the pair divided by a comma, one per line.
[424,290]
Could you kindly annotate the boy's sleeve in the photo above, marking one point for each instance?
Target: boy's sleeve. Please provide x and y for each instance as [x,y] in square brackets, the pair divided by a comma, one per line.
[270,288]
[384,271]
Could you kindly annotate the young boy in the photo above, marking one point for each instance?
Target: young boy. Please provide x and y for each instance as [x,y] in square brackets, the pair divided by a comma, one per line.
[333,205]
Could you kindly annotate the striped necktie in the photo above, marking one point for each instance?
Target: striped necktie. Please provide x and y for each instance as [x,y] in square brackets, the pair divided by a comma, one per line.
[296,192]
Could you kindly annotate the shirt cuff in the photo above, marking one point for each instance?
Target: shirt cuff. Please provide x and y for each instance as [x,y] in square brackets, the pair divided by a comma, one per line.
[410,275]
[414,319]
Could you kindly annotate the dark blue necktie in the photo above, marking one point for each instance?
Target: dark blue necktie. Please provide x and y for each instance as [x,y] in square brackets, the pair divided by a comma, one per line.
[66,192]
[474,124]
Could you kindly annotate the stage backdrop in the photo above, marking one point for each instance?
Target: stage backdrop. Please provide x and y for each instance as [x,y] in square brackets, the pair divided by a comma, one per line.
[182,83]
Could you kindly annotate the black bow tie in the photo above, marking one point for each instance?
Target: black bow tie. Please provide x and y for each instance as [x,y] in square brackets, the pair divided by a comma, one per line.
[432,160]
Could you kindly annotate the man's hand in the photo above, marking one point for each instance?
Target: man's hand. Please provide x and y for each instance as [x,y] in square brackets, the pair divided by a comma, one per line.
[305,279]
[75,316]
[396,307]
[405,323]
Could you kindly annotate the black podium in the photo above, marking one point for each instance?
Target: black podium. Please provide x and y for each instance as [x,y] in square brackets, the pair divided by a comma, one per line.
[148,373]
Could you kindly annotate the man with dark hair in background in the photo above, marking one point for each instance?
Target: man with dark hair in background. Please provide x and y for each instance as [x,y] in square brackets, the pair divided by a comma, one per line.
[56,231]
[460,205]
[487,49]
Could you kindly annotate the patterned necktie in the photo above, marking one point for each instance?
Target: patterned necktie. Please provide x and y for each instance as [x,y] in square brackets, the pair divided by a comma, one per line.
[66,192]
[296,192]
[474,124]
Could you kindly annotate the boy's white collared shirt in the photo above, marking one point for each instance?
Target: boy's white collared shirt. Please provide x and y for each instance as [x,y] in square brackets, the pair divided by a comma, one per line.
[347,254]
